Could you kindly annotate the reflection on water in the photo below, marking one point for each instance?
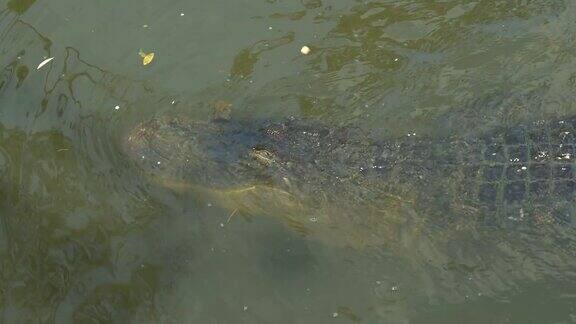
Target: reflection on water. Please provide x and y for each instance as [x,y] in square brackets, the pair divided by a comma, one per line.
[86,236]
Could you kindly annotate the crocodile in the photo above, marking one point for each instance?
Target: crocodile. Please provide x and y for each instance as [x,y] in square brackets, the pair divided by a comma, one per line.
[363,189]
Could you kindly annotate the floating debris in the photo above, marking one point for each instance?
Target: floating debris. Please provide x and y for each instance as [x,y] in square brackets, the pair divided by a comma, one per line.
[146,57]
[231,215]
[117,107]
[305,50]
[46,61]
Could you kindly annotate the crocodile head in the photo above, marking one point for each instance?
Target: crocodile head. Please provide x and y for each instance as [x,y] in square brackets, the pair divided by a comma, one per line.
[181,150]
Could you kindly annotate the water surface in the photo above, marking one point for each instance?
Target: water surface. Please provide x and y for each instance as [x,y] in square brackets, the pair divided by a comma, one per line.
[86,237]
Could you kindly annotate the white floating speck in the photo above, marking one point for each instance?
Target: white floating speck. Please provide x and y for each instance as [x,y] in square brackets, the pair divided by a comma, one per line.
[396,59]
[305,50]
[269,27]
[116,107]
[523,168]
[181,14]
[334,314]
[245,308]
[173,102]
[313,219]
[145,26]
[46,61]
[158,162]
[221,224]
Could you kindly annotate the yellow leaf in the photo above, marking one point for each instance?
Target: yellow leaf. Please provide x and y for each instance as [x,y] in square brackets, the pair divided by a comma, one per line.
[146,57]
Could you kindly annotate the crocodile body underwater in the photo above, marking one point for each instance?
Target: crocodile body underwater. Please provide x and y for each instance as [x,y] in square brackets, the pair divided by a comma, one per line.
[335,177]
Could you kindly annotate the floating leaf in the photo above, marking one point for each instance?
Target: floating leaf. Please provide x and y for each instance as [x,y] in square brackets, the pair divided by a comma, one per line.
[46,61]
[146,57]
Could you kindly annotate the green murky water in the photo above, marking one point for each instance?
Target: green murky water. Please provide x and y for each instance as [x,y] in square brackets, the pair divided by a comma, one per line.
[87,238]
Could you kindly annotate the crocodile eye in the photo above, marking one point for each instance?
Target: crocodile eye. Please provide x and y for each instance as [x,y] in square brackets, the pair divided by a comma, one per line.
[263,156]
